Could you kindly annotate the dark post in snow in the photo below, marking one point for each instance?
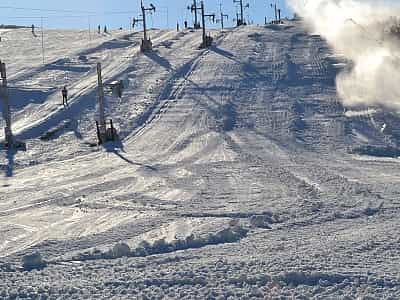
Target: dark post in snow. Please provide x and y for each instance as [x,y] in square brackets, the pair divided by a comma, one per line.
[241,20]
[146,42]
[203,22]
[6,110]
[101,128]
[104,134]
[207,40]
[222,16]
[276,13]
[196,24]
[42,40]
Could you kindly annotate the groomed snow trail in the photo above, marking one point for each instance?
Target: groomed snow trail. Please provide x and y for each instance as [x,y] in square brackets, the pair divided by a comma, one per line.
[238,174]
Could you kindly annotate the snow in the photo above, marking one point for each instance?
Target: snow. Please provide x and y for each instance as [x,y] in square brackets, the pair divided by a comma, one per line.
[239,174]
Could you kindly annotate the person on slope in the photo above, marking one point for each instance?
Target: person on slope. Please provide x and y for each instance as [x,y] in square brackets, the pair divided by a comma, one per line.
[64,93]
[120,89]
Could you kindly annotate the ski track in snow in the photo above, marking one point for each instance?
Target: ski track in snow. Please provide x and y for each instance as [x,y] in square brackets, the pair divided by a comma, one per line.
[239,173]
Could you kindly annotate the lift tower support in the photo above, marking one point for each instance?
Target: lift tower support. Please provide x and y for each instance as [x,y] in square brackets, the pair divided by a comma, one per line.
[207,40]
[6,109]
[10,141]
[146,42]
[105,132]
[222,16]
[196,24]
[241,21]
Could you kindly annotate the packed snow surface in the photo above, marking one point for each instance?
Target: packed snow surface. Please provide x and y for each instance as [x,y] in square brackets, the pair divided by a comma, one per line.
[238,175]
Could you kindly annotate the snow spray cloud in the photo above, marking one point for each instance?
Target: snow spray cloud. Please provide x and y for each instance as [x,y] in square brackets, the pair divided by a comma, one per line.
[365,32]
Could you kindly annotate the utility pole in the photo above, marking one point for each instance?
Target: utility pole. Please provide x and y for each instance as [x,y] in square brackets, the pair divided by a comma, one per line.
[167,17]
[144,21]
[222,16]
[276,13]
[207,40]
[146,43]
[104,134]
[42,39]
[193,9]
[90,34]
[100,95]
[6,110]
[241,21]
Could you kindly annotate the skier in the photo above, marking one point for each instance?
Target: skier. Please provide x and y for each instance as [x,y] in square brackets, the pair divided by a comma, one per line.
[98,29]
[186,24]
[33,29]
[120,89]
[64,93]
[177,27]
[105,29]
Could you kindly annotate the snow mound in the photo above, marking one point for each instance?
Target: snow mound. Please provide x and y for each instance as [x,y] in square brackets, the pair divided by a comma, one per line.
[227,235]
[296,278]
[261,221]
[369,210]
[33,261]
[120,250]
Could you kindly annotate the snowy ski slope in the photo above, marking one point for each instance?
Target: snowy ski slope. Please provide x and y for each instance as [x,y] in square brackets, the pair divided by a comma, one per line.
[239,174]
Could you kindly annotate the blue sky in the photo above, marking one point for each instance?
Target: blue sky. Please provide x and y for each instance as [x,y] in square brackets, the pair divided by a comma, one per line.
[116,13]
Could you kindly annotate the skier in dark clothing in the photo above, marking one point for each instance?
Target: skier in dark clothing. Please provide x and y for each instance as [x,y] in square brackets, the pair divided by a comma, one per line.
[120,88]
[64,93]
[98,29]
[186,25]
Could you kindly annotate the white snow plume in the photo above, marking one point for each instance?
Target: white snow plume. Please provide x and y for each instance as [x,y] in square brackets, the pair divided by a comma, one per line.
[364,31]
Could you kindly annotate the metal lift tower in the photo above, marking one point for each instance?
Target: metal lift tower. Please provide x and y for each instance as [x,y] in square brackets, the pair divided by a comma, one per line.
[207,40]
[146,42]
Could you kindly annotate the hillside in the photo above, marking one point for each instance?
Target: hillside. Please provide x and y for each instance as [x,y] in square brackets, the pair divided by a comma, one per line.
[239,173]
